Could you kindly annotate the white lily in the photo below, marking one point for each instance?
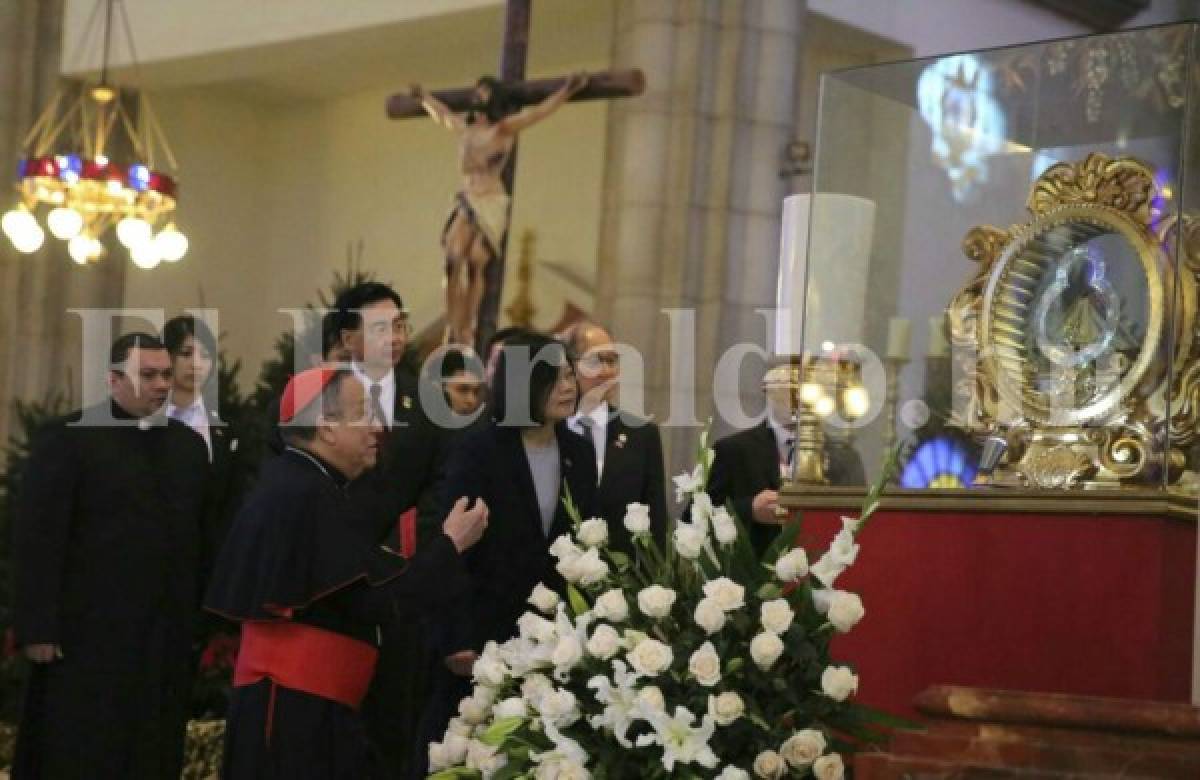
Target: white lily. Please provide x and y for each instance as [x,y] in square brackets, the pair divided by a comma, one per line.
[681,742]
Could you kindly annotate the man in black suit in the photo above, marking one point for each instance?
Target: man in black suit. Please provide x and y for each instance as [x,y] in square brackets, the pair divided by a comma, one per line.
[628,449]
[750,466]
[109,549]
[372,326]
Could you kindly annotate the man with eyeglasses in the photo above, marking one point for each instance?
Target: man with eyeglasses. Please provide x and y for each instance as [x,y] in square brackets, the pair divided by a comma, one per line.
[109,545]
[629,459]
[372,326]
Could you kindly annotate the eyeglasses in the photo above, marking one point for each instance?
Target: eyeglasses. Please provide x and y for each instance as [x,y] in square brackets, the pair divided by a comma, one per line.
[598,359]
[399,327]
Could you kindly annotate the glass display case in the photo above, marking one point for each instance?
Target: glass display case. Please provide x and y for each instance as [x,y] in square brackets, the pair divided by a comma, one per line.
[1000,261]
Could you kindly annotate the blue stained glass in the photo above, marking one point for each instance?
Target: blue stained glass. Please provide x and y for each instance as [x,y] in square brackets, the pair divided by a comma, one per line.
[941,459]
[21,165]
[139,177]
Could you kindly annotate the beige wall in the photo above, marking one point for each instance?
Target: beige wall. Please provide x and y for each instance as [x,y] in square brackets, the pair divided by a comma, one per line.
[274,188]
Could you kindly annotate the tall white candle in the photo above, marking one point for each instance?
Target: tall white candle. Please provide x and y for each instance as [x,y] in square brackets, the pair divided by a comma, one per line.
[938,347]
[899,338]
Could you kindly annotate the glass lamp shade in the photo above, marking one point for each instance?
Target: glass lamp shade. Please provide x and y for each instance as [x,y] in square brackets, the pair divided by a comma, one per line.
[172,245]
[23,230]
[64,223]
[133,232]
[145,255]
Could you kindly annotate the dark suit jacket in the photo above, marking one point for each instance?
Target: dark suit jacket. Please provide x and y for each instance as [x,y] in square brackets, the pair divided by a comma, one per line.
[747,463]
[633,472]
[411,467]
[513,555]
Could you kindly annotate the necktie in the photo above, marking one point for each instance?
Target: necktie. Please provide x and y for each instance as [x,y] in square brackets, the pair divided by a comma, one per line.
[377,406]
[789,456]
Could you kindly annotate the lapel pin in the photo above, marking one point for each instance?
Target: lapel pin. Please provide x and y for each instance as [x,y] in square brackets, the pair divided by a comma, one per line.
[233,445]
[621,439]
[406,402]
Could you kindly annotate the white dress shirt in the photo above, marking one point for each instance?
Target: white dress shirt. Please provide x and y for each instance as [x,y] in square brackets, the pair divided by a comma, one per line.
[387,395]
[785,446]
[196,418]
[596,430]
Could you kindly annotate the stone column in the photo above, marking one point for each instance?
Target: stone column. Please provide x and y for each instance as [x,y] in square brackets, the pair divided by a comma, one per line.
[693,194]
[40,350]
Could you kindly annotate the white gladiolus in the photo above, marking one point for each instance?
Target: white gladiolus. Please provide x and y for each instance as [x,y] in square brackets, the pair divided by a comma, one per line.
[702,510]
[845,610]
[829,767]
[611,605]
[803,748]
[460,727]
[567,653]
[689,541]
[489,671]
[792,566]
[705,665]
[593,532]
[656,601]
[838,682]
[686,484]
[725,593]
[650,657]
[765,649]
[637,518]
[513,707]
[725,708]
[471,711]
[769,765]
[604,642]
[709,616]
[484,758]
[777,615]
[543,599]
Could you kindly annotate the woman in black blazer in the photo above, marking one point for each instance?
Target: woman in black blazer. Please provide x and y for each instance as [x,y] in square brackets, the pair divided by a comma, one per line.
[522,466]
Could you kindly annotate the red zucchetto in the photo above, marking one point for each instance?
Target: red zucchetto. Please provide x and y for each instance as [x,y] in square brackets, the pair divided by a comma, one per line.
[302,389]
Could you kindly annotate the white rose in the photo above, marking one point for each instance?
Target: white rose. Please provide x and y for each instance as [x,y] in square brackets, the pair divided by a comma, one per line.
[726,593]
[656,601]
[472,711]
[845,610]
[484,758]
[637,518]
[838,682]
[543,599]
[534,687]
[651,697]
[829,767]
[769,765]
[512,707]
[535,627]
[586,569]
[733,773]
[460,727]
[650,658]
[564,548]
[765,649]
[777,616]
[724,528]
[439,757]
[792,566]
[456,748]
[689,541]
[633,638]
[611,606]
[726,707]
[560,706]
[484,694]
[803,748]
[604,643]
[489,671]
[705,665]
[559,767]
[842,549]
[567,652]
[593,532]
[709,616]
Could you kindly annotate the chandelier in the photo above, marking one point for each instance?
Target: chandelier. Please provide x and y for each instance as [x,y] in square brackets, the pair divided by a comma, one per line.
[89,164]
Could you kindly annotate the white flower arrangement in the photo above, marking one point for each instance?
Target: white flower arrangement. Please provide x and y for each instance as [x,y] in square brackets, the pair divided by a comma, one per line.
[695,660]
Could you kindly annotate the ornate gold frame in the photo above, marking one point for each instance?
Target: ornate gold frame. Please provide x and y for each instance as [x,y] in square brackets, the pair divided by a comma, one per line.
[1136,431]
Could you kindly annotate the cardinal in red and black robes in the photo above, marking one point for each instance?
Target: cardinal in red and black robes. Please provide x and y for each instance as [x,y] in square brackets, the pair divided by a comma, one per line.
[311,593]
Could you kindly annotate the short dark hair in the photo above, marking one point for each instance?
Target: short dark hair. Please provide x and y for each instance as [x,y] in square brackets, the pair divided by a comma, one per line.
[302,428]
[455,361]
[503,335]
[119,352]
[349,305]
[178,329]
[546,355]
[501,100]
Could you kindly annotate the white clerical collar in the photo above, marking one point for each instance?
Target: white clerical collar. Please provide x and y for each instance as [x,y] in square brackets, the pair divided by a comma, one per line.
[782,434]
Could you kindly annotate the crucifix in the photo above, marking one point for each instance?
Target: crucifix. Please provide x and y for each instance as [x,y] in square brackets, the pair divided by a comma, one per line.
[487,117]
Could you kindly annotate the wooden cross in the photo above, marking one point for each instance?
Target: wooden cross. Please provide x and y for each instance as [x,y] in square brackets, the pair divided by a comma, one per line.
[602,85]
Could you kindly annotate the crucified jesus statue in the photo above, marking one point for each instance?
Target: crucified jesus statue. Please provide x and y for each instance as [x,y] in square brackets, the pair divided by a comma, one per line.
[474,232]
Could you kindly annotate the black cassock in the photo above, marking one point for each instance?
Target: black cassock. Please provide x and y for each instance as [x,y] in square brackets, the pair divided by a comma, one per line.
[311,593]
[110,531]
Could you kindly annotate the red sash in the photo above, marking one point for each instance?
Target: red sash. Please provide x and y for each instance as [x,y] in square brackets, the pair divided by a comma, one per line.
[306,658]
